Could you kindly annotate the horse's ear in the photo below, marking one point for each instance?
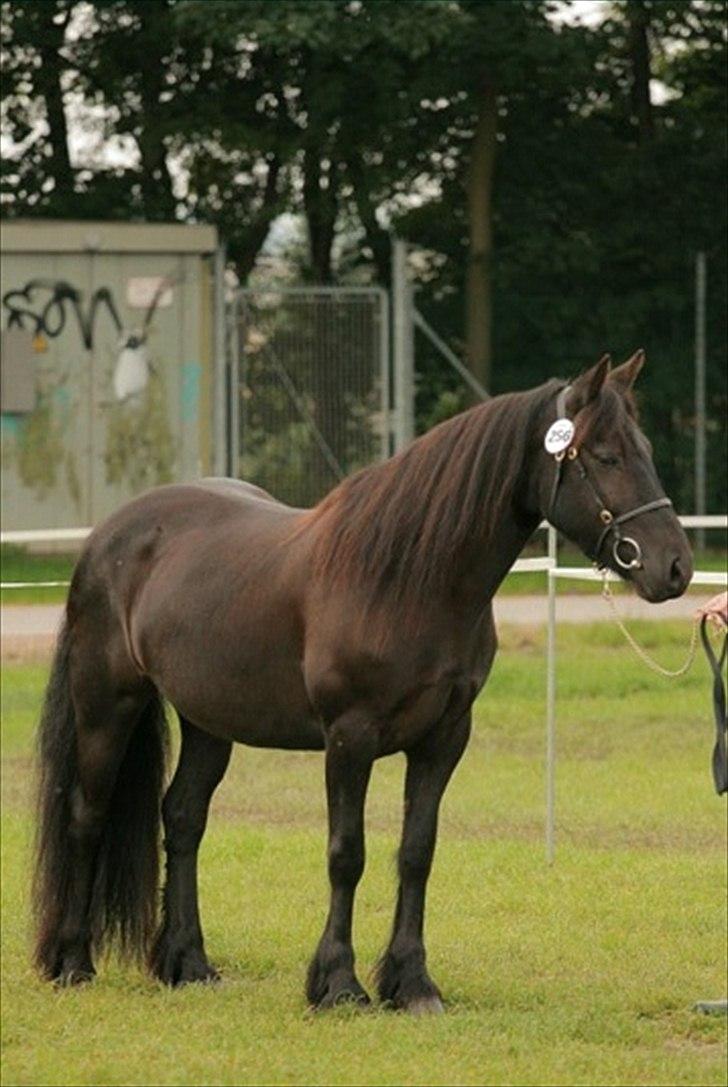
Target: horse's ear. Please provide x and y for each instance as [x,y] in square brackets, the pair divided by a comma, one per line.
[588,385]
[626,374]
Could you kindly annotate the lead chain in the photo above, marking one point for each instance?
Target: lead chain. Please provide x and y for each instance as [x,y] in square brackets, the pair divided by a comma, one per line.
[645,657]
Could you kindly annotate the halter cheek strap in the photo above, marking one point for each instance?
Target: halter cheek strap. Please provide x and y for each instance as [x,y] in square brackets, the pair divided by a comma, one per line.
[609,521]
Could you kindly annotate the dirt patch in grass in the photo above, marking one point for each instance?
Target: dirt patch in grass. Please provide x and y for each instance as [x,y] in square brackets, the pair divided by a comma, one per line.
[17,782]
[27,648]
[695,1044]
[596,836]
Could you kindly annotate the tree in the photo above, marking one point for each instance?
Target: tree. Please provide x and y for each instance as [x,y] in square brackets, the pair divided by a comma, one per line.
[596,222]
[349,80]
[34,118]
[511,79]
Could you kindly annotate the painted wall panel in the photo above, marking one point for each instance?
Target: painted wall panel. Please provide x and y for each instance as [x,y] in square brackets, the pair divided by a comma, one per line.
[118,387]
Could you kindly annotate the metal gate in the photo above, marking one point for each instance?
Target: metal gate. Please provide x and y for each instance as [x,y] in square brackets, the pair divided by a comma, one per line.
[310,387]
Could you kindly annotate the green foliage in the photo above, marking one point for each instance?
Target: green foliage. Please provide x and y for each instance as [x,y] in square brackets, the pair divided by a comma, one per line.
[596,228]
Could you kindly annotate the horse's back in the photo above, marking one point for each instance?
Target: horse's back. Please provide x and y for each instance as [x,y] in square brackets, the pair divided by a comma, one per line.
[239,490]
[171,512]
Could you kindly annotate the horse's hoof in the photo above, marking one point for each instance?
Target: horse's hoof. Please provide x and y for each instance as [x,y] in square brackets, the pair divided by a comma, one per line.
[72,968]
[353,997]
[182,966]
[74,976]
[349,996]
[207,975]
[426,1005]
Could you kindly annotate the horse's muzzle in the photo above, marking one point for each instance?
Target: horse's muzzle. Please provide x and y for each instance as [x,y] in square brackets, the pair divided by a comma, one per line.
[666,579]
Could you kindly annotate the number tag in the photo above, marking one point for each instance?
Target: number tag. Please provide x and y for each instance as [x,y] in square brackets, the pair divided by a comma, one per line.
[559,436]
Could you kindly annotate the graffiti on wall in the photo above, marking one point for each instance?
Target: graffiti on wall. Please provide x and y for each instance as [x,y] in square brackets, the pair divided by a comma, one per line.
[139,447]
[42,305]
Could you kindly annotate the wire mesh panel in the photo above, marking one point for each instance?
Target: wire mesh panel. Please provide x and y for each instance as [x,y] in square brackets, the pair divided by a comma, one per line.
[310,387]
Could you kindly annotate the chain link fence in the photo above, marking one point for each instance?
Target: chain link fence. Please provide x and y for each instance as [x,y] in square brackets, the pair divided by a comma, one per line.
[310,373]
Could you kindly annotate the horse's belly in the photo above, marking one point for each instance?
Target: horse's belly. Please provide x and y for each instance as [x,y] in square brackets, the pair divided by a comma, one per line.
[248,717]
[258,699]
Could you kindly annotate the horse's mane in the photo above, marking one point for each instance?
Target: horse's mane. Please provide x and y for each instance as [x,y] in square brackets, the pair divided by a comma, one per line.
[397,526]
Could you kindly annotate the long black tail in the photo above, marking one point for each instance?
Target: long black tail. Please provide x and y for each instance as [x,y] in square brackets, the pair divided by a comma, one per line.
[124,895]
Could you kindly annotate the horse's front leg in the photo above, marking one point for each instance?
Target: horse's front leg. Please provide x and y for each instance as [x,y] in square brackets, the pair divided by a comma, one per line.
[402,973]
[350,750]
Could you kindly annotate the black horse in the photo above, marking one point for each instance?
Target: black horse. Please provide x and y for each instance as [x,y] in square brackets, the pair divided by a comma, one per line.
[361,627]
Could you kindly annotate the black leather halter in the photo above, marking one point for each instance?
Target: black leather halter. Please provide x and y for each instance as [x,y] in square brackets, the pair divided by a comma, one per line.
[609,521]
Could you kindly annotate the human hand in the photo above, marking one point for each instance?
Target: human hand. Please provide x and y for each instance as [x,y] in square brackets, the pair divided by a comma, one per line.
[716,611]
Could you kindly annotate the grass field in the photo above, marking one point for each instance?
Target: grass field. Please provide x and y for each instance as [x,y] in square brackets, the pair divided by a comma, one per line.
[582,973]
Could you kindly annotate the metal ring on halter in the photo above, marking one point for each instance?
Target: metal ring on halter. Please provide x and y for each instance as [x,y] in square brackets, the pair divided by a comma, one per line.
[633,564]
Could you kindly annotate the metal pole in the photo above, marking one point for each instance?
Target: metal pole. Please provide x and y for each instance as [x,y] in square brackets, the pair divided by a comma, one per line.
[700,290]
[403,348]
[385,373]
[234,334]
[219,412]
[551,700]
[451,357]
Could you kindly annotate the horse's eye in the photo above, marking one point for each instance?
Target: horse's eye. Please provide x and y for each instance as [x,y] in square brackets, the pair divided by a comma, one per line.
[609,460]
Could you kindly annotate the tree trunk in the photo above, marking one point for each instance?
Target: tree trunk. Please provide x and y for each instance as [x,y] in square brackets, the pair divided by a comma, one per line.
[376,238]
[156,181]
[638,22]
[320,207]
[478,289]
[244,250]
[49,81]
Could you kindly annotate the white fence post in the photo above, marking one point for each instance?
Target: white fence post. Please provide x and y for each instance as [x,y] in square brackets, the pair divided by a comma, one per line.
[551,699]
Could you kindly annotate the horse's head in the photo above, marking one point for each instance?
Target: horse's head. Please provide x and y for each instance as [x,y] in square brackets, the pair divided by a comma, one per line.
[600,488]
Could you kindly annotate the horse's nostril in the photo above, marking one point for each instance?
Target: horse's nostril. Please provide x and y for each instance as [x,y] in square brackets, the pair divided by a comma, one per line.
[676,572]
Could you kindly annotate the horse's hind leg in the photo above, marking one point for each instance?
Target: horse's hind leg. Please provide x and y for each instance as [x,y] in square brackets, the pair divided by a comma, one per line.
[402,973]
[73,915]
[179,954]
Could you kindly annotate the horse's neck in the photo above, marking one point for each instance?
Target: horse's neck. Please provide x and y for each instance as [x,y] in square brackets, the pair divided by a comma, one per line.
[478,575]
[485,563]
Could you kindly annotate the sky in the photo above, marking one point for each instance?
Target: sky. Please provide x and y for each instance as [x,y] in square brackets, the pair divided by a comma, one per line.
[587,12]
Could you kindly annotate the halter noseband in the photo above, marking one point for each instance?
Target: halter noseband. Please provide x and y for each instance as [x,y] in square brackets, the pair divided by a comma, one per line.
[610,522]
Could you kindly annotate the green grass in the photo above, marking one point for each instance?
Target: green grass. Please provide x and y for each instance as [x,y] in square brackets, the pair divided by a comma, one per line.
[19,565]
[582,973]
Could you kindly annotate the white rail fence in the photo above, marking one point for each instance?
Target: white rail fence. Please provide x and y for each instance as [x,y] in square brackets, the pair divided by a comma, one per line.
[554,572]
[547,564]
